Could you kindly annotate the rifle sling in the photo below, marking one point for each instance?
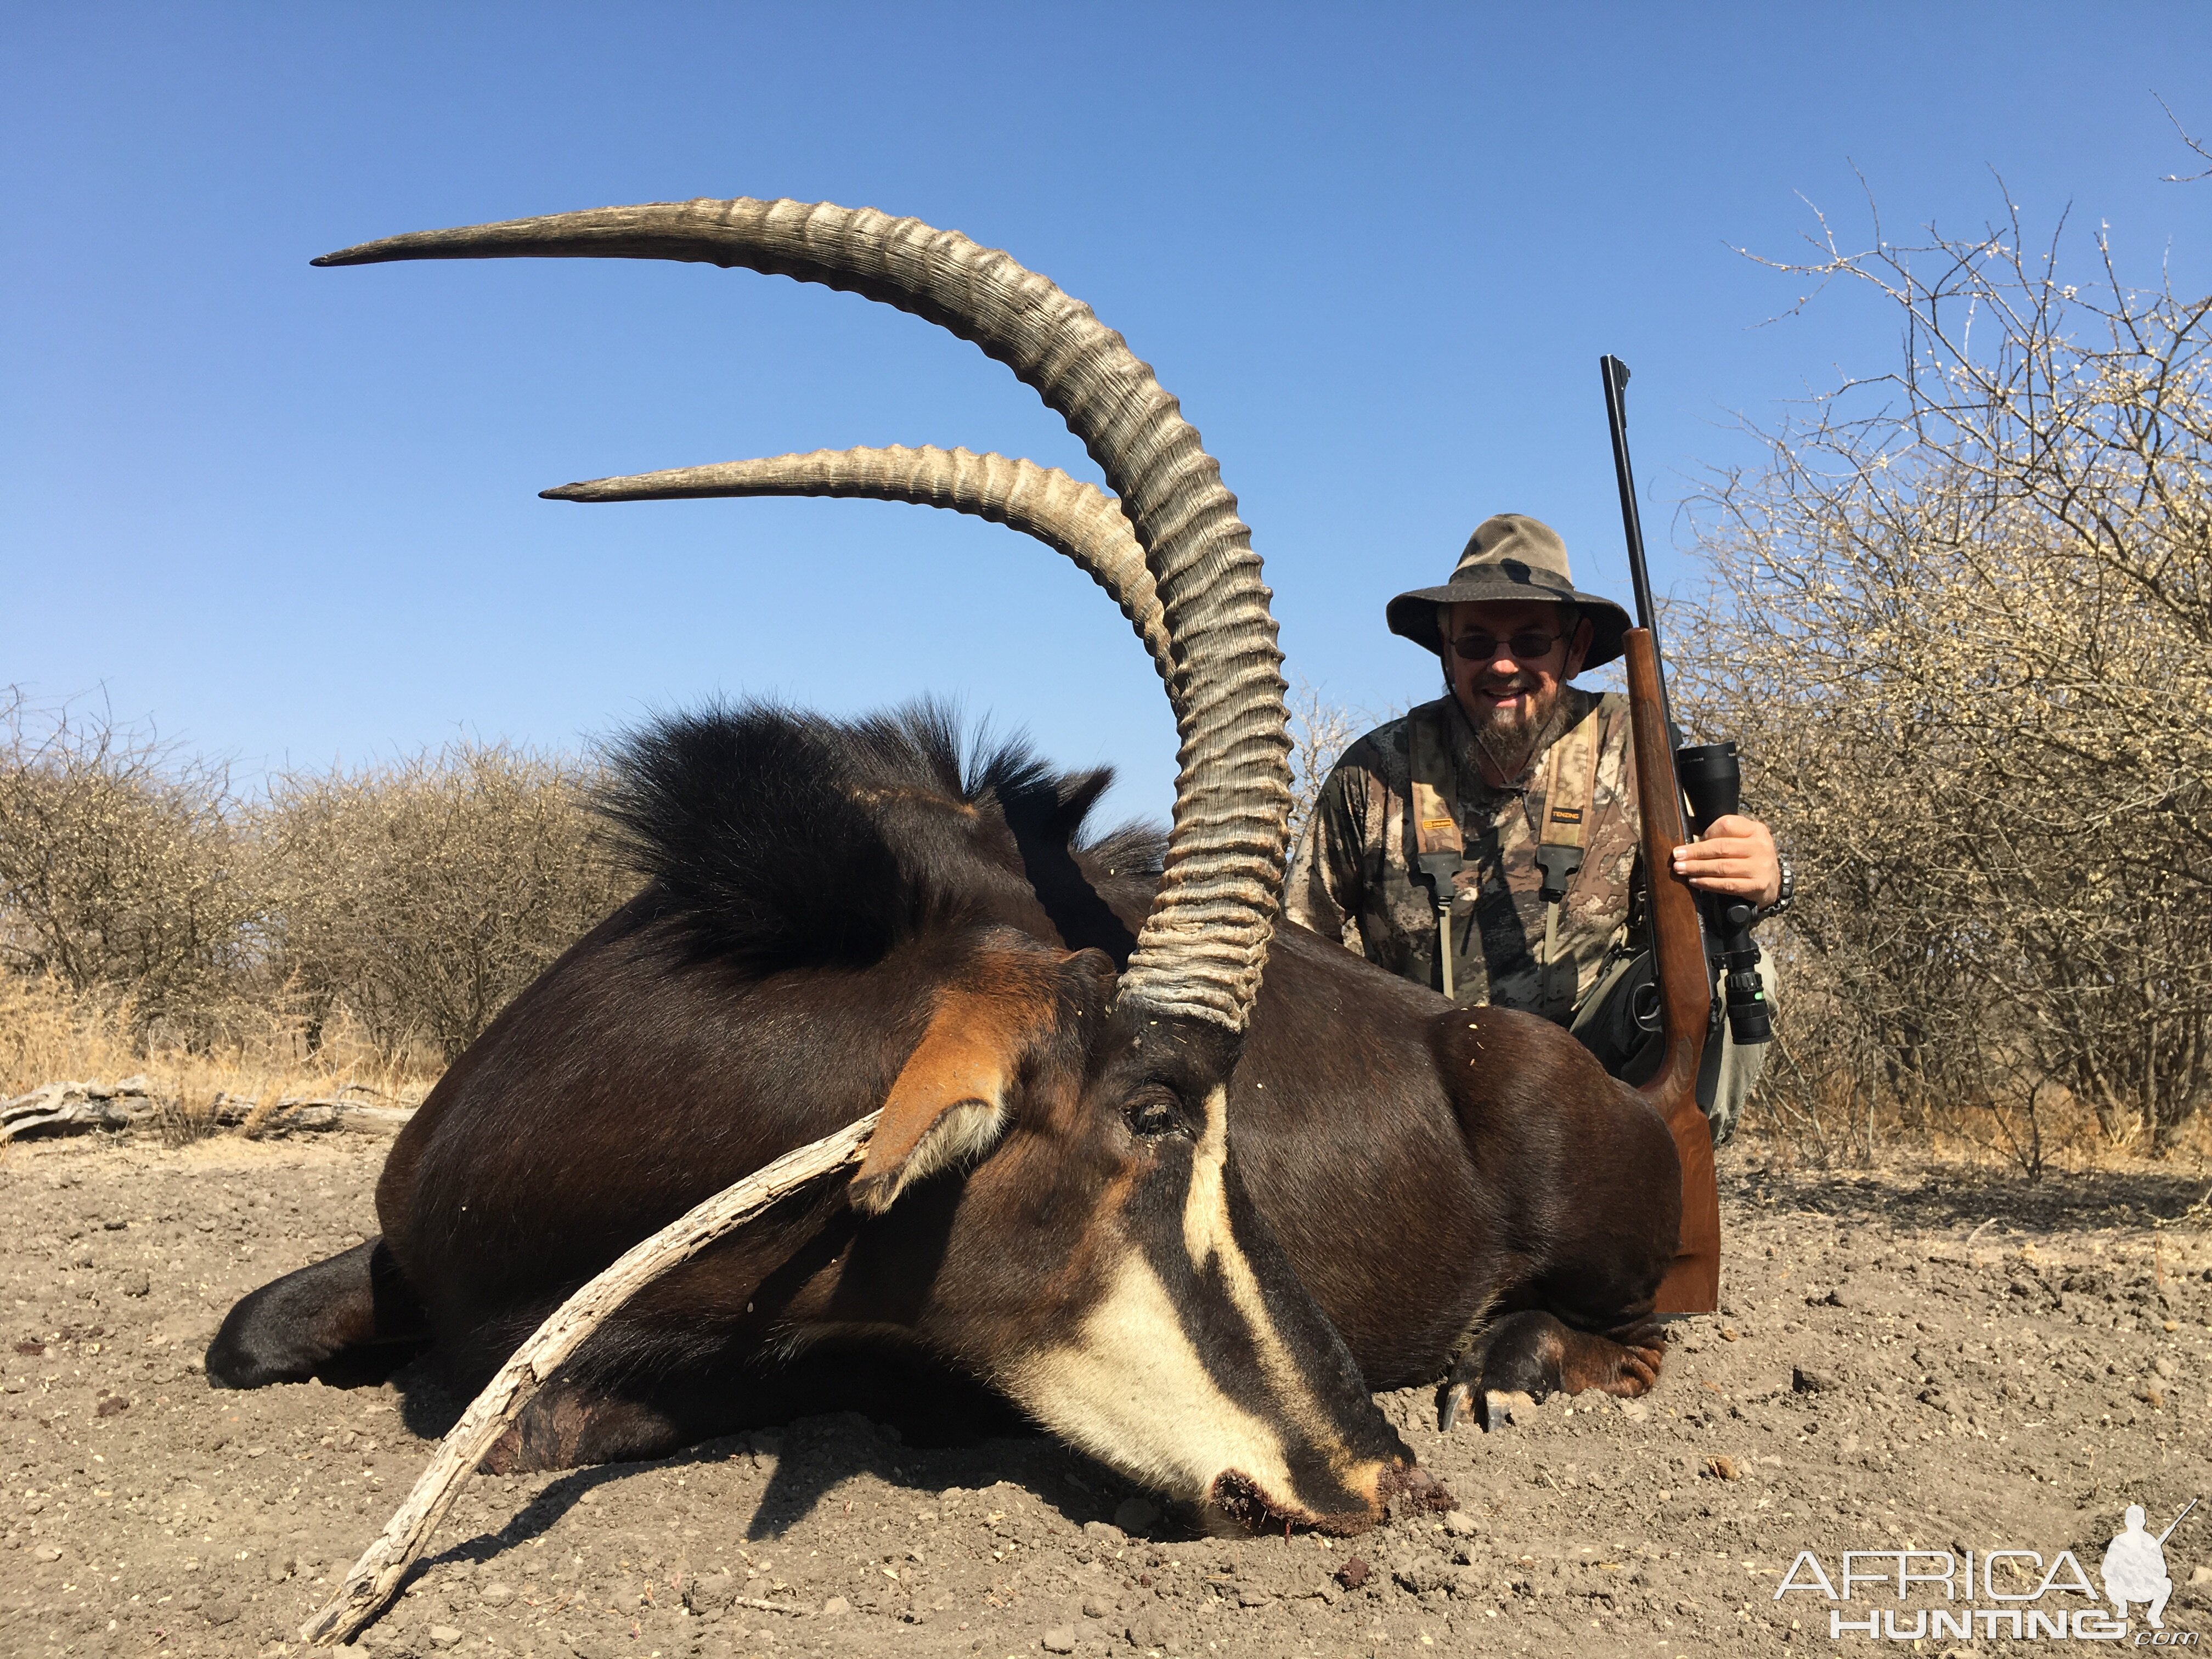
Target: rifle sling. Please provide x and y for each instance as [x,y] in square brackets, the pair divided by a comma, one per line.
[1570,783]
[1440,849]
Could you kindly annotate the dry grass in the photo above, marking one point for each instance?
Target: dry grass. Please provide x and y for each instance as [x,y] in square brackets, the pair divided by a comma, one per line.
[1775,1131]
[49,1033]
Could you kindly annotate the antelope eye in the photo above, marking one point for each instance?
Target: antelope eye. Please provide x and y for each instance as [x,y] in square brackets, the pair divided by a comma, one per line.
[1152,1112]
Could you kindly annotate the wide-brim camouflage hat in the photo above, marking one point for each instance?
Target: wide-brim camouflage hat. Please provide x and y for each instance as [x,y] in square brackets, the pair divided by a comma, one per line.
[1510,556]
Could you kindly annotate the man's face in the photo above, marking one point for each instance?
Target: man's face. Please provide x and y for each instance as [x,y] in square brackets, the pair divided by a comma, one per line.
[1508,692]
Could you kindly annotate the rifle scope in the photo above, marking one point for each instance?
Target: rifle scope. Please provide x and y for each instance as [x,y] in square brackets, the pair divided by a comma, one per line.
[1712,783]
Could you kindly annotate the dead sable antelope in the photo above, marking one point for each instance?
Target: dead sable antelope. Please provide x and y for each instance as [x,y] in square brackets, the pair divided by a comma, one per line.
[1185,1217]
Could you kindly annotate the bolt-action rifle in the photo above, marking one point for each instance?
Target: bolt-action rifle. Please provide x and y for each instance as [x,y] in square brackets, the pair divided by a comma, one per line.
[1710,776]
[1681,973]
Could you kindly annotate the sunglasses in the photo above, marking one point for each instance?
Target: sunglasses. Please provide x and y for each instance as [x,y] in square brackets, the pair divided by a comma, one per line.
[1527,646]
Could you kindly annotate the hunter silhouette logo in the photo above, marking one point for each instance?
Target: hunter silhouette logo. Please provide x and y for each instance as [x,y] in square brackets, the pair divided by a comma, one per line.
[2134,1567]
[2011,1593]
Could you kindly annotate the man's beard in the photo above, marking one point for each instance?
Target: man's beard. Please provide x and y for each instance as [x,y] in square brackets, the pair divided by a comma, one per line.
[1511,739]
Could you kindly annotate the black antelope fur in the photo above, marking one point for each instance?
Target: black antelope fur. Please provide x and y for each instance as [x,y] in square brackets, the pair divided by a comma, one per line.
[1464,1194]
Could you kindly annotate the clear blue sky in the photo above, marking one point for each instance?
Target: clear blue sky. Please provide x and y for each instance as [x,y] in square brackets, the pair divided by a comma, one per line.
[1376,250]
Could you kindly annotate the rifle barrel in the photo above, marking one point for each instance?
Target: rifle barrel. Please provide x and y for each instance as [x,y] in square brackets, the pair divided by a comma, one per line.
[1614,373]
[2176,1522]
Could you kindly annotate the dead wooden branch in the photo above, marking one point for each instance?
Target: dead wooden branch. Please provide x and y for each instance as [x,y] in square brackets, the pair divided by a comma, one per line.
[62,1109]
[136,1103]
[371,1581]
[274,1120]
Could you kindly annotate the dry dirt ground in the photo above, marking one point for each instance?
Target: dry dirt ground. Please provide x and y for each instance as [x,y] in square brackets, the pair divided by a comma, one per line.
[1935,1358]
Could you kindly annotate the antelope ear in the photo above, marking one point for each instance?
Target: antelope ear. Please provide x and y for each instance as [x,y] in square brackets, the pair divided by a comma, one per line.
[950,1102]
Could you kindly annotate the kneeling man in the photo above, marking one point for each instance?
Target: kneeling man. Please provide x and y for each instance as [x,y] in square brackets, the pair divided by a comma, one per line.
[1486,844]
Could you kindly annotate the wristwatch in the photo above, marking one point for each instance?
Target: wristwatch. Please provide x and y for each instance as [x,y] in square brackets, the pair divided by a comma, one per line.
[1782,899]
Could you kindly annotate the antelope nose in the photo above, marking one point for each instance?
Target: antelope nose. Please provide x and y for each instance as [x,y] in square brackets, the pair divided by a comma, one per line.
[1365,1498]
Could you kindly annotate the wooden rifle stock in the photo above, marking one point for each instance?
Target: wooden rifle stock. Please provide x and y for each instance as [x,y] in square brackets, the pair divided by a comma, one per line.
[1692,1284]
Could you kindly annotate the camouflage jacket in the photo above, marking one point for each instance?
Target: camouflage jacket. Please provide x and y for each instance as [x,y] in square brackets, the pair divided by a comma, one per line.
[1352,878]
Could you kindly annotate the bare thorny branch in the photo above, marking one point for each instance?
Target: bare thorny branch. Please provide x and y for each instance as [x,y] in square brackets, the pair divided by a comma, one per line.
[2174,178]
[1963,625]
[412,899]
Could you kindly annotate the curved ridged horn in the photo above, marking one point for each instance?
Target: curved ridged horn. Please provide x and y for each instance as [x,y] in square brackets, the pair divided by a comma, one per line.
[1074,519]
[1205,941]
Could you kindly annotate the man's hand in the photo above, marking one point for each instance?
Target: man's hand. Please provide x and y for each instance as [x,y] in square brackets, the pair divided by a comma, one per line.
[1735,856]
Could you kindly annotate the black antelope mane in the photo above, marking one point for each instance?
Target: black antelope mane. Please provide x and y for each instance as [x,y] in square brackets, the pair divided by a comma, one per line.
[776,839]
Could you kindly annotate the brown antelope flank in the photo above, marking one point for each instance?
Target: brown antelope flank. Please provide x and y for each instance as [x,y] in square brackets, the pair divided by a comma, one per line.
[1185,1214]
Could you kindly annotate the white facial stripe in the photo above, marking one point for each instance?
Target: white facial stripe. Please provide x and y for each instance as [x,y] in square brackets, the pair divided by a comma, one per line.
[1206,1208]
[1207,1240]
[1132,1391]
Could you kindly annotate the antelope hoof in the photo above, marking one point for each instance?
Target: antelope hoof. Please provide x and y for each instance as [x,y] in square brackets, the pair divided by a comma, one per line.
[1452,1398]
